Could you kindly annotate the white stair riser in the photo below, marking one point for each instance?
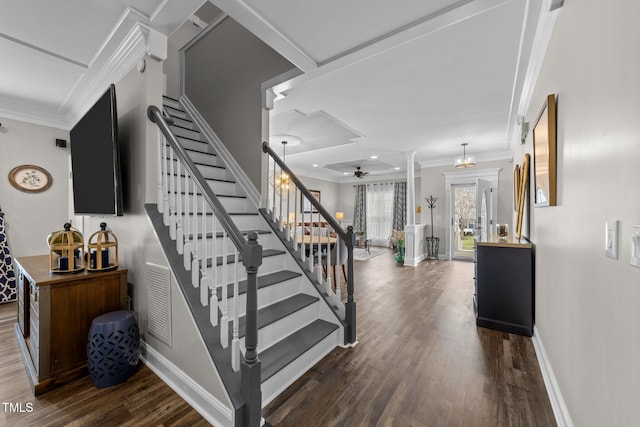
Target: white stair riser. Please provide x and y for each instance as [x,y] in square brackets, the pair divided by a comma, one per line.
[206,158]
[231,204]
[287,376]
[268,295]
[182,121]
[172,103]
[197,145]
[269,265]
[209,172]
[173,112]
[188,133]
[243,222]
[218,187]
[276,331]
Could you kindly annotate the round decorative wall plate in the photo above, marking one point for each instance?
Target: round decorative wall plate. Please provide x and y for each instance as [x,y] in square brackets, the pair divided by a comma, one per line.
[30,178]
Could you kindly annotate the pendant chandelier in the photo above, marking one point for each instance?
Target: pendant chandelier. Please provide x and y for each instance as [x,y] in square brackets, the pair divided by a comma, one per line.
[282,181]
[465,161]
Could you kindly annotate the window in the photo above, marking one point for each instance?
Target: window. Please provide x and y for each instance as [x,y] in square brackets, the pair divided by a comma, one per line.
[379,213]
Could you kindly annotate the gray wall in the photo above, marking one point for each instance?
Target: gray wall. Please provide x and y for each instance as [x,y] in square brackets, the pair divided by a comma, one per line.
[225,70]
[30,217]
[587,315]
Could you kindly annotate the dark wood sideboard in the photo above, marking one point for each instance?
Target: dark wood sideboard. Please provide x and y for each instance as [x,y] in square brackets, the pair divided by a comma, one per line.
[505,294]
[54,317]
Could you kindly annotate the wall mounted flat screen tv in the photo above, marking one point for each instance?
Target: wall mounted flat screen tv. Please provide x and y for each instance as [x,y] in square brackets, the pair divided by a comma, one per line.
[95,159]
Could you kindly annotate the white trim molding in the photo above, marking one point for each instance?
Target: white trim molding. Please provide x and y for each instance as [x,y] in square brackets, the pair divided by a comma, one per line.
[214,411]
[414,244]
[560,410]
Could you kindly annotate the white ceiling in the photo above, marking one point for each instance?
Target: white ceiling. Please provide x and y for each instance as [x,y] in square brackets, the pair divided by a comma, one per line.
[380,78]
[406,76]
[59,56]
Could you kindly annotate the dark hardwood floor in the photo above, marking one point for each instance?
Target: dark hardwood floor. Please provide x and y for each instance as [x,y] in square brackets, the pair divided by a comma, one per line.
[420,361]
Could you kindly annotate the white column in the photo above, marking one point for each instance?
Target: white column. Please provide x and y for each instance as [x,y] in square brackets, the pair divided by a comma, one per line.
[411,190]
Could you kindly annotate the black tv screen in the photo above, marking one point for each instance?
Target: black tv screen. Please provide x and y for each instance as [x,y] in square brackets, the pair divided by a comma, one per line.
[95,159]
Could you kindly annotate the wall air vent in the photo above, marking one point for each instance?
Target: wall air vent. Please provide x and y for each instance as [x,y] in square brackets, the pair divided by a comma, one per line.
[159,302]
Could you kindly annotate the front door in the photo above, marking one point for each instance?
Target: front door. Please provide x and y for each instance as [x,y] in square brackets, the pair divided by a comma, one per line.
[463,222]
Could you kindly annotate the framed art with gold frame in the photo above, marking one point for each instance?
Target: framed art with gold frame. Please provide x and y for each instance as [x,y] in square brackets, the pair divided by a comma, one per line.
[544,155]
[30,178]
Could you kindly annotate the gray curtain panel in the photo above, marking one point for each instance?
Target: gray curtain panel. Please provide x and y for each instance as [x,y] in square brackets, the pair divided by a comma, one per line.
[360,209]
[399,205]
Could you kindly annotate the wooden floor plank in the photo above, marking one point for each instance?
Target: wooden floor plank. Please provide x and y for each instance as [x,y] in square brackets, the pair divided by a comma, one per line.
[420,361]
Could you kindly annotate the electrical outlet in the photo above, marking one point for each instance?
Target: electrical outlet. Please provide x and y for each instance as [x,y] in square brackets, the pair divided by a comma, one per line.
[611,239]
[635,245]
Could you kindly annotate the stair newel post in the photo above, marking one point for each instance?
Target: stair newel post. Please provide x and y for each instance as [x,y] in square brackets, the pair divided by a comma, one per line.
[224,311]
[350,305]
[172,197]
[179,229]
[186,249]
[250,369]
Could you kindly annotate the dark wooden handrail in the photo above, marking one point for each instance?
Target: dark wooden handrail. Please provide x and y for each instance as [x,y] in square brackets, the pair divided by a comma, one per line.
[305,191]
[348,237]
[156,116]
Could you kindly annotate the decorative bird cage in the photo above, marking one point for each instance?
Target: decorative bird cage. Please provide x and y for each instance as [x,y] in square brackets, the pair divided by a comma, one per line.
[66,250]
[103,250]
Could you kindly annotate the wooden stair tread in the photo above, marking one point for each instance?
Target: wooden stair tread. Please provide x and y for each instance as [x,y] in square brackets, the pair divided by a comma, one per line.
[279,355]
[278,310]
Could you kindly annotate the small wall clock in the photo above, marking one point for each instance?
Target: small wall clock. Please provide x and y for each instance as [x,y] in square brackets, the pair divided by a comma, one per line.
[30,178]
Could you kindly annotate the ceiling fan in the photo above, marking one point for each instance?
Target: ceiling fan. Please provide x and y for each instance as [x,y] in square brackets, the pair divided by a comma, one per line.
[359,174]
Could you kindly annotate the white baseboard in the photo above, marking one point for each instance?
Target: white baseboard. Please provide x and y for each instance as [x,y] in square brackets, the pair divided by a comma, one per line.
[412,262]
[214,411]
[560,410]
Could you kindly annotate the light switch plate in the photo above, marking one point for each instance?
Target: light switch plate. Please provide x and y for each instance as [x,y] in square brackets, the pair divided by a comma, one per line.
[635,245]
[611,239]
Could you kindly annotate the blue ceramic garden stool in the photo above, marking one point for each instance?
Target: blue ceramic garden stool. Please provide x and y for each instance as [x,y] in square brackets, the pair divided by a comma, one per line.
[113,348]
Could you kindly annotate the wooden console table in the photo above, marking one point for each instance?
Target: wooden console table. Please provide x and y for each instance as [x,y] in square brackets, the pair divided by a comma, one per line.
[54,317]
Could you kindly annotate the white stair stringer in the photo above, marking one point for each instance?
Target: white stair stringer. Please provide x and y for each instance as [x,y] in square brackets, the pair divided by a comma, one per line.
[287,336]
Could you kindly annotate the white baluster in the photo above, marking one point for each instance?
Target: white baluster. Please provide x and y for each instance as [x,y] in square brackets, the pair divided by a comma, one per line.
[295,219]
[319,251]
[195,250]
[172,197]
[224,319]
[274,217]
[187,222]
[213,281]
[162,168]
[204,288]
[303,252]
[235,343]
[330,267]
[165,178]
[338,266]
[179,229]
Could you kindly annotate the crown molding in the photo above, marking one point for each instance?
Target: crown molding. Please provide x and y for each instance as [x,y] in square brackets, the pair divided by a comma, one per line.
[546,23]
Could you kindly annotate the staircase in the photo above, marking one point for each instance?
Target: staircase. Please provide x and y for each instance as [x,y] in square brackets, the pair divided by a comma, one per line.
[298,318]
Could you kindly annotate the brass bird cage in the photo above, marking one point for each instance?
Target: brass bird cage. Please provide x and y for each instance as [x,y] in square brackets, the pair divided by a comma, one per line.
[103,250]
[66,250]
